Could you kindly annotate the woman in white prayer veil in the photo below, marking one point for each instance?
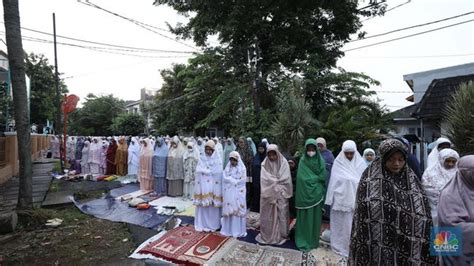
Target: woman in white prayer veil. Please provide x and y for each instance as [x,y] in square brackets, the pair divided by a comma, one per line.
[341,195]
[441,143]
[219,148]
[437,176]
[85,158]
[175,168]
[208,190]
[190,160]
[234,210]
[133,157]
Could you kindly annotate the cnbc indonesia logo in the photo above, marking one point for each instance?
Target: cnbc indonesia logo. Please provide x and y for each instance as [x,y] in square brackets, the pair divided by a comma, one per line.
[446,242]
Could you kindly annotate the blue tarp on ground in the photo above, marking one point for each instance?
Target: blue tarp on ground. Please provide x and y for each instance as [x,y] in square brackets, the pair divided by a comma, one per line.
[110,209]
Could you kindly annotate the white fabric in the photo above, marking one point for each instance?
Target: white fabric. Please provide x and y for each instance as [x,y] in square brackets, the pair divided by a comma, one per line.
[192,151]
[85,158]
[436,177]
[367,151]
[94,153]
[208,182]
[207,219]
[220,150]
[234,190]
[321,141]
[234,226]
[345,176]
[133,157]
[433,156]
[341,225]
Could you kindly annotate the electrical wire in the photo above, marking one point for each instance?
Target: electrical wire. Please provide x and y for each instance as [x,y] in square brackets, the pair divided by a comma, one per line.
[408,36]
[105,44]
[138,23]
[388,10]
[412,27]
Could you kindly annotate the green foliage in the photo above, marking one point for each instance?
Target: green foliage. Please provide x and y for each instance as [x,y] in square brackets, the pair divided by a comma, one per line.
[96,116]
[294,120]
[6,105]
[355,119]
[459,114]
[128,124]
[43,90]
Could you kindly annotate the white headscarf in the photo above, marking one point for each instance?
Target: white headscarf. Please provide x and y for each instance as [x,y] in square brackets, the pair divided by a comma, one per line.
[367,151]
[436,177]
[191,151]
[345,176]
[234,187]
[433,157]
[321,141]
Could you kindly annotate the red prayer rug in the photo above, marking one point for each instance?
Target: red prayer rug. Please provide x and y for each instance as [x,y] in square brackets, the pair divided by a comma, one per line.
[185,245]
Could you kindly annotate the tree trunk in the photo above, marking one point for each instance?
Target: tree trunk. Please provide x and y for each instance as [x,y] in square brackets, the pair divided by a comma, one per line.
[20,99]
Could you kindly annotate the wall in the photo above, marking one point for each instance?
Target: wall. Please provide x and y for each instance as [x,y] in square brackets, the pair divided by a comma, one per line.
[9,164]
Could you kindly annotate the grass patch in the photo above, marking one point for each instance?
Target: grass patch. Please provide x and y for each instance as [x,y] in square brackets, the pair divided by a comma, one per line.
[57,167]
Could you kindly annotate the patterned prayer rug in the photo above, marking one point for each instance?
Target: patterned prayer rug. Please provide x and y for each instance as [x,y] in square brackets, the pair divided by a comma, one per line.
[204,249]
[174,243]
[237,252]
[185,245]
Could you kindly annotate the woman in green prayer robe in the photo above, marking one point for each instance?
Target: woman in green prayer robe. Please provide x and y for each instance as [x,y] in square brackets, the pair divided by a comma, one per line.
[309,198]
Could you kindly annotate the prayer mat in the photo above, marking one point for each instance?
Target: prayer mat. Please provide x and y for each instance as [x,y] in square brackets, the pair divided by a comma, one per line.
[242,253]
[205,248]
[184,245]
[326,256]
[174,244]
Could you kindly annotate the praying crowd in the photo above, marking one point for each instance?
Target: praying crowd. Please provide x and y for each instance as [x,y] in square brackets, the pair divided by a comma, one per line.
[381,205]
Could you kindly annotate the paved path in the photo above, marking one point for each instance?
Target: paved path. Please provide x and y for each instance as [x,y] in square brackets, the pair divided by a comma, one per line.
[41,181]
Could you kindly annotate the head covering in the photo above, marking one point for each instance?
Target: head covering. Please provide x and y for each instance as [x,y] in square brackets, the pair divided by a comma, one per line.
[455,208]
[193,153]
[264,140]
[228,148]
[273,172]
[252,145]
[436,177]
[147,149]
[433,157]
[211,144]
[160,148]
[321,141]
[390,210]
[234,188]
[345,176]
[367,151]
[310,179]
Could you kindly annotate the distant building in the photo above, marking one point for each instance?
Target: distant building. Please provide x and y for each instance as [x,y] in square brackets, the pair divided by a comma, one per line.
[431,92]
[136,107]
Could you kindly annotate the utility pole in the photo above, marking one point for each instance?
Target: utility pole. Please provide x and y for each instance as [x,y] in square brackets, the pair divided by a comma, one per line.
[58,95]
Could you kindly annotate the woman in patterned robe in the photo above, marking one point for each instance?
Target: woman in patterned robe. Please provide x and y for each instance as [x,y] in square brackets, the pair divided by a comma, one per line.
[392,219]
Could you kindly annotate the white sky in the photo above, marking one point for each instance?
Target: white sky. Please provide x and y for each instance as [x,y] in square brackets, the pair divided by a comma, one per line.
[124,76]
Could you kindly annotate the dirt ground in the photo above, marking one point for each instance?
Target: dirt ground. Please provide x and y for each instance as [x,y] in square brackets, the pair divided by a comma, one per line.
[79,240]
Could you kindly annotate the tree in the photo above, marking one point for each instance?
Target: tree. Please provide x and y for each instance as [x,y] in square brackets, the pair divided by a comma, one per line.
[279,37]
[128,124]
[355,119]
[96,116]
[43,92]
[459,114]
[11,17]
[294,121]
[6,105]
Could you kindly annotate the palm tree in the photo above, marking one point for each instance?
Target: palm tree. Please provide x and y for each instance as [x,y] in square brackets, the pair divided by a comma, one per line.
[459,114]
[294,120]
[20,101]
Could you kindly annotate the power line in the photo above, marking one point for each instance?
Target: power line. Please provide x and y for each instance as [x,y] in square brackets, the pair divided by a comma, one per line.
[408,56]
[408,36]
[105,44]
[98,49]
[138,23]
[390,9]
[412,27]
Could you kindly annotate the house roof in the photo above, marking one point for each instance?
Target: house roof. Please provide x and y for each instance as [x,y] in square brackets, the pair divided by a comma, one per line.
[404,113]
[438,94]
